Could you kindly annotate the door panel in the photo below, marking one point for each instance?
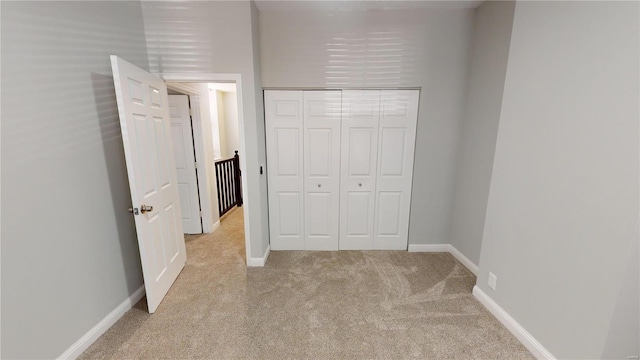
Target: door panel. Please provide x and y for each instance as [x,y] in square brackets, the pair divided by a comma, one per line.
[390,208]
[146,135]
[322,168]
[285,172]
[360,118]
[184,154]
[287,145]
[319,217]
[398,120]
[392,148]
[320,143]
[288,204]
[358,205]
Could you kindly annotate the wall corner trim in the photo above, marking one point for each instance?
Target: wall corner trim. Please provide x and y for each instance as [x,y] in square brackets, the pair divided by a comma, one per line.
[75,350]
[512,325]
[446,248]
[260,261]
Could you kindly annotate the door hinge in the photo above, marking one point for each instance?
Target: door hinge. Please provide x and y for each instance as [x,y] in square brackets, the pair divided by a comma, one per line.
[190,112]
[195,164]
[201,214]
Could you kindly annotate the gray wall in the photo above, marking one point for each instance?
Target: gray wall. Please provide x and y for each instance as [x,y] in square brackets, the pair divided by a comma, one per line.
[217,37]
[262,147]
[393,48]
[487,71]
[563,199]
[69,250]
[623,338]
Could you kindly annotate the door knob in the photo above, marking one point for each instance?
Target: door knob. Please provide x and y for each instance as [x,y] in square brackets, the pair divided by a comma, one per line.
[319,185]
[145,208]
[360,184]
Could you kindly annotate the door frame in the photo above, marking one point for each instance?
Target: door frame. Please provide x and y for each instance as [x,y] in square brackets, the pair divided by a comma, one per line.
[196,126]
[203,179]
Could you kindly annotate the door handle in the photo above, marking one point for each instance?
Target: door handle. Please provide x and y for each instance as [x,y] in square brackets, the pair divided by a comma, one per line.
[359,184]
[145,208]
[319,185]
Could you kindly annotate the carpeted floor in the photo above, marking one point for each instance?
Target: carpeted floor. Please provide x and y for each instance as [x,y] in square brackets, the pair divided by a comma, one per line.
[311,305]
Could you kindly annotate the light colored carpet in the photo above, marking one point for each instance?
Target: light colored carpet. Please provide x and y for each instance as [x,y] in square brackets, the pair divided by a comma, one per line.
[311,305]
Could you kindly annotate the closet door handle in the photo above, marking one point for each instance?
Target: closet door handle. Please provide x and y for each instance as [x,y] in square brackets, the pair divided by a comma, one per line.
[359,184]
[319,185]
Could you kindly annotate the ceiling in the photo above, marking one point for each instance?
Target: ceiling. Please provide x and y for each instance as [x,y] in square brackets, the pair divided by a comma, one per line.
[358,5]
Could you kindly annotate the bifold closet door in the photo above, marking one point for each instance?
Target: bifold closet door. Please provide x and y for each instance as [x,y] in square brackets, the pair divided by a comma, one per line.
[397,134]
[360,118]
[284,132]
[322,111]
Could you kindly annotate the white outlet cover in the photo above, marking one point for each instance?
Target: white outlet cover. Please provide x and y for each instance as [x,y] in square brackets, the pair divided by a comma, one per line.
[493,280]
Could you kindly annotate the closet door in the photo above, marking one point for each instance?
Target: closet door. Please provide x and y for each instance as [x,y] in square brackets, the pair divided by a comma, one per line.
[397,134]
[322,169]
[284,132]
[360,117]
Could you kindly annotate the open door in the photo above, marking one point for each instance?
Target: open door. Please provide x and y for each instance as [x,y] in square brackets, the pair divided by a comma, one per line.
[185,158]
[146,135]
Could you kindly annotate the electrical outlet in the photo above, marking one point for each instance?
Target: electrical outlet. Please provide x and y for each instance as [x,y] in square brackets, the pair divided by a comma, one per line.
[493,280]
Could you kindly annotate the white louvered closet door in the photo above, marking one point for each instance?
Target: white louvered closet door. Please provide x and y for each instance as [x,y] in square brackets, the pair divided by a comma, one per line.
[322,113]
[396,144]
[284,132]
[360,118]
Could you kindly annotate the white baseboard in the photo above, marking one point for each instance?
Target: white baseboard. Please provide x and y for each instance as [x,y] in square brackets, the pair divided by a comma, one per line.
[92,335]
[259,262]
[445,248]
[464,260]
[215,226]
[429,247]
[512,325]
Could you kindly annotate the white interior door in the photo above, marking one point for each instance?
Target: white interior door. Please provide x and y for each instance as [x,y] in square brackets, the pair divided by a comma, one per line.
[322,113]
[185,158]
[285,153]
[360,118]
[146,136]
[397,134]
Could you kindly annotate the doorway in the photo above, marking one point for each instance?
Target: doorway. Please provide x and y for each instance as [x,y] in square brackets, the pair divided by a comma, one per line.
[217,133]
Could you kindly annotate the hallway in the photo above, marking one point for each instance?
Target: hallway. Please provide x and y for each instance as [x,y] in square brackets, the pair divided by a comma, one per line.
[316,305]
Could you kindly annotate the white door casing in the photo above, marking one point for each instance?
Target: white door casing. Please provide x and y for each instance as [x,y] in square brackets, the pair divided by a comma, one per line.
[185,159]
[284,132]
[396,144]
[322,113]
[360,118]
[146,134]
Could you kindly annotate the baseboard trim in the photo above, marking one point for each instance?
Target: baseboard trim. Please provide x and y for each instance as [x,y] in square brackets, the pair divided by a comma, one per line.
[215,226]
[464,260]
[446,248]
[261,261]
[100,328]
[429,247]
[512,325]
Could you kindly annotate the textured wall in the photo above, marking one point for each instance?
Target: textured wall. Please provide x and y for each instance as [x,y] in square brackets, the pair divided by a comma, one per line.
[69,249]
[394,48]
[563,200]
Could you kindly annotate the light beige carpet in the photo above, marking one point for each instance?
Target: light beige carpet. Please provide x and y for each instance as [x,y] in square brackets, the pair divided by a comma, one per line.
[311,305]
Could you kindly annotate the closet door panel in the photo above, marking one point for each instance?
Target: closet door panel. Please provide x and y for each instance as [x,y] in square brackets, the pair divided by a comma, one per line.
[322,115]
[284,131]
[397,132]
[360,118]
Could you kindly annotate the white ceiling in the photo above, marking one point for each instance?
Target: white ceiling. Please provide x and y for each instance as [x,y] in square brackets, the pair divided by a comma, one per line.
[358,5]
